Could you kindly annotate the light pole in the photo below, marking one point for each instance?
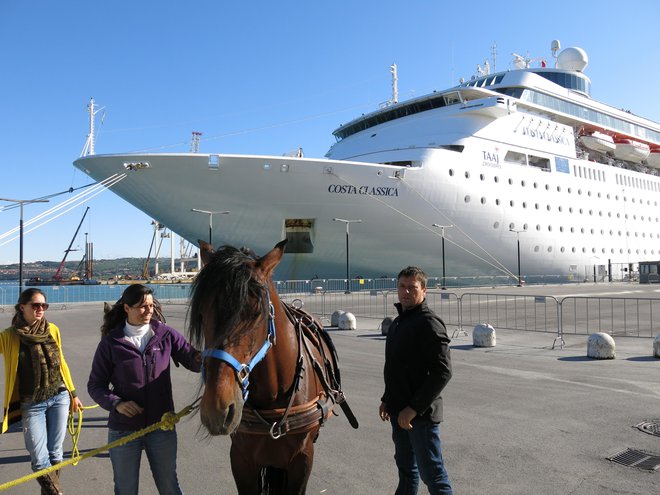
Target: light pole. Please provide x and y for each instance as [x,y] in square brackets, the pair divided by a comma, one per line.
[348,277]
[518,239]
[22,202]
[442,233]
[210,214]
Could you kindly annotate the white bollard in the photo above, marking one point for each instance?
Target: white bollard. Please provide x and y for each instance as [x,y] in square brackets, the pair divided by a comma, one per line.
[334,319]
[656,346]
[347,321]
[483,335]
[601,345]
[385,325]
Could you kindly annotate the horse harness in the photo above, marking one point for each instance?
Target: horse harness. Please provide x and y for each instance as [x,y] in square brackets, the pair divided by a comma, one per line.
[300,418]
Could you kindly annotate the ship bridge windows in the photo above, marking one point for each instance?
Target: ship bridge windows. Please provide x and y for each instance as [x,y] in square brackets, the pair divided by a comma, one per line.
[515,157]
[539,162]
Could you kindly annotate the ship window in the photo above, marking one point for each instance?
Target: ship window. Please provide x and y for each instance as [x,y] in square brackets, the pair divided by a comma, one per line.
[536,249]
[538,227]
[510,182]
[510,202]
[467,198]
[467,175]
[524,204]
[547,187]
[522,183]
[547,207]
[497,202]
[483,200]
[481,176]
[562,249]
[512,226]
[561,229]
[579,192]
[496,178]
[569,190]
[496,225]
[539,162]
[536,185]
[536,206]
[549,249]
[560,208]
[451,172]
[515,157]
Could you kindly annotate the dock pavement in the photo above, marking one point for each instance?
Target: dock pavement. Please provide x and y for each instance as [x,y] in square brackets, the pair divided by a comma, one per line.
[520,418]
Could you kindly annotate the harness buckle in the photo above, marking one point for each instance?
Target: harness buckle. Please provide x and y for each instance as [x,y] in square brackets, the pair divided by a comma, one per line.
[276,434]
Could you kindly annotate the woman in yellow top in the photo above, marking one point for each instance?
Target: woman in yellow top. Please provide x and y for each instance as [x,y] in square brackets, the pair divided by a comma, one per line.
[38,385]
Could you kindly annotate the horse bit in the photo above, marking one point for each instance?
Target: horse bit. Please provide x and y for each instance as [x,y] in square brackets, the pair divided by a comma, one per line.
[243,370]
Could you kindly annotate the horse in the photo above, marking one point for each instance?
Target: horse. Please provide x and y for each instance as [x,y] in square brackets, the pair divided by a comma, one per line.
[270,370]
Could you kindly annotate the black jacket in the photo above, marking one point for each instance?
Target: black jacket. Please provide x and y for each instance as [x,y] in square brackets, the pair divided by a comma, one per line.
[417,362]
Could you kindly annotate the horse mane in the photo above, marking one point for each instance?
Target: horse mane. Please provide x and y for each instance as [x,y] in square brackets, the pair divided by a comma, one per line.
[225,289]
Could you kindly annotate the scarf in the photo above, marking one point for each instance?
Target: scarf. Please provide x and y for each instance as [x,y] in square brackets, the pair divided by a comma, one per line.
[45,356]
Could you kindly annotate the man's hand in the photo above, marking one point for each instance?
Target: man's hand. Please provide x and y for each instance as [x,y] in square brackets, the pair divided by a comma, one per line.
[384,415]
[405,418]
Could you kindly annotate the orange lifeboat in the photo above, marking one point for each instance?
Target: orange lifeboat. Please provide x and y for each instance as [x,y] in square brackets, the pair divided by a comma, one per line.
[630,150]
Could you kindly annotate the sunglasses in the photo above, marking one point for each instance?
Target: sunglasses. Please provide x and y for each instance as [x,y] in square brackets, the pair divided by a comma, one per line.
[38,306]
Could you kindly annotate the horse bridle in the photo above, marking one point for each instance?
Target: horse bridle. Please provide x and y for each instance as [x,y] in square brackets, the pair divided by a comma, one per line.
[243,370]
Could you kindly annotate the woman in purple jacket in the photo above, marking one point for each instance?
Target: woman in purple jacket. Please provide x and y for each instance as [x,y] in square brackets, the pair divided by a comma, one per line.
[130,377]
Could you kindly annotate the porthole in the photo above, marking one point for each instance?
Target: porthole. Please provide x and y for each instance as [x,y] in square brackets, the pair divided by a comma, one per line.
[497,202]
[536,206]
[536,185]
[467,198]
[482,176]
[579,192]
[510,182]
[496,178]
[467,174]
[573,250]
[560,208]
[511,203]
[563,249]
[569,190]
[483,200]
[536,249]
[549,249]
[451,172]
[547,207]
[547,187]
[522,183]
[496,225]
[538,227]
[524,204]
[512,226]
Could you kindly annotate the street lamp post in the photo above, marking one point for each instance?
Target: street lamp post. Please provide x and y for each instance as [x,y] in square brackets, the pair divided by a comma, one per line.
[518,241]
[22,202]
[348,277]
[210,214]
[442,233]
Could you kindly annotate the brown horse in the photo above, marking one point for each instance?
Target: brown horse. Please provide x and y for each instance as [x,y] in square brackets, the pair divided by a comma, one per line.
[270,370]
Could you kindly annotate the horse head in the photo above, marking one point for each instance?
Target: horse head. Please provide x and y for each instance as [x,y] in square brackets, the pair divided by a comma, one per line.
[232,316]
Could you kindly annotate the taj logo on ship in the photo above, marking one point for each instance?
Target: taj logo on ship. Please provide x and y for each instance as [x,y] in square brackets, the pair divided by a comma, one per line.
[490,159]
[370,190]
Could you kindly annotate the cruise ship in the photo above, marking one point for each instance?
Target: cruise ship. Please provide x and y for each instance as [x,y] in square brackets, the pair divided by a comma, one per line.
[519,167]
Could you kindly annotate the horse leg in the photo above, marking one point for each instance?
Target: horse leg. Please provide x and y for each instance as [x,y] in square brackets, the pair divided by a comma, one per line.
[247,475]
[299,470]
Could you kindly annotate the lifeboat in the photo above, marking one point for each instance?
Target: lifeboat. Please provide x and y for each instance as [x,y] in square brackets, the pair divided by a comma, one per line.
[653,160]
[598,141]
[631,150]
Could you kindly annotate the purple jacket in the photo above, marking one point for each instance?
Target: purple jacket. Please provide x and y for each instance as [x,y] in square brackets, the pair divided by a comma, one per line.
[120,373]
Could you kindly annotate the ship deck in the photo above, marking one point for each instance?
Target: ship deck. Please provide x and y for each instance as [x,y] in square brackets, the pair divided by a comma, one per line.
[520,418]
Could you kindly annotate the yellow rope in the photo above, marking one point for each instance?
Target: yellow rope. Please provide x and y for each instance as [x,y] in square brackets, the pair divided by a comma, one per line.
[167,422]
[74,431]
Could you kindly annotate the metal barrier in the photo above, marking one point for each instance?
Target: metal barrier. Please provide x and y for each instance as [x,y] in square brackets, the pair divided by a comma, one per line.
[617,316]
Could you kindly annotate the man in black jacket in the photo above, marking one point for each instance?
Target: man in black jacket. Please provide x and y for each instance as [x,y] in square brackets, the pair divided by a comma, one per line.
[417,368]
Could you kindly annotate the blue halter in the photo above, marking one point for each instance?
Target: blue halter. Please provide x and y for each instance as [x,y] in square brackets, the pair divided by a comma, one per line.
[243,370]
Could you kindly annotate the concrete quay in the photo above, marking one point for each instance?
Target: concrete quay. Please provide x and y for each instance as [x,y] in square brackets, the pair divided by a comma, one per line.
[521,417]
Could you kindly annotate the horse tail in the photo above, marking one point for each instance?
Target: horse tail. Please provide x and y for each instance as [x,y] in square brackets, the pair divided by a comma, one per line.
[273,481]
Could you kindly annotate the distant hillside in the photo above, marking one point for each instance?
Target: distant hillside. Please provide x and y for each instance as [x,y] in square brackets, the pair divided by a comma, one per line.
[103,269]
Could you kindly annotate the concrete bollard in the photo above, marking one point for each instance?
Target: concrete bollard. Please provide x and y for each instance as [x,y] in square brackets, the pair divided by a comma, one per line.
[334,318]
[385,325]
[347,321]
[483,335]
[656,346]
[601,345]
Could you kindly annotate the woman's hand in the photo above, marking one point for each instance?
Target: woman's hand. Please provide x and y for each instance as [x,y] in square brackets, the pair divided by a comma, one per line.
[76,405]
[128,408]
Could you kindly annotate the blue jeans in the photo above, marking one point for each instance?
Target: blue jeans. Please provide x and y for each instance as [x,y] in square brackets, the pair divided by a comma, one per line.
[161,452]
[44,429]
[418,454]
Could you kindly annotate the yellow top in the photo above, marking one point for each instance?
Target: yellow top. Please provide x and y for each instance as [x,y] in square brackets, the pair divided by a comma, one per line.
[9,347]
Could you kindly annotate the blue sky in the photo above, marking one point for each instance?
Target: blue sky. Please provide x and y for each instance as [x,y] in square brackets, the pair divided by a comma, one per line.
[256,77]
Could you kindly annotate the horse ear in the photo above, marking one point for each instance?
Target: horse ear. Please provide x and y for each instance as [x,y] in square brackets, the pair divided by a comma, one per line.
[205,250]
[107,307]
[269,261]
